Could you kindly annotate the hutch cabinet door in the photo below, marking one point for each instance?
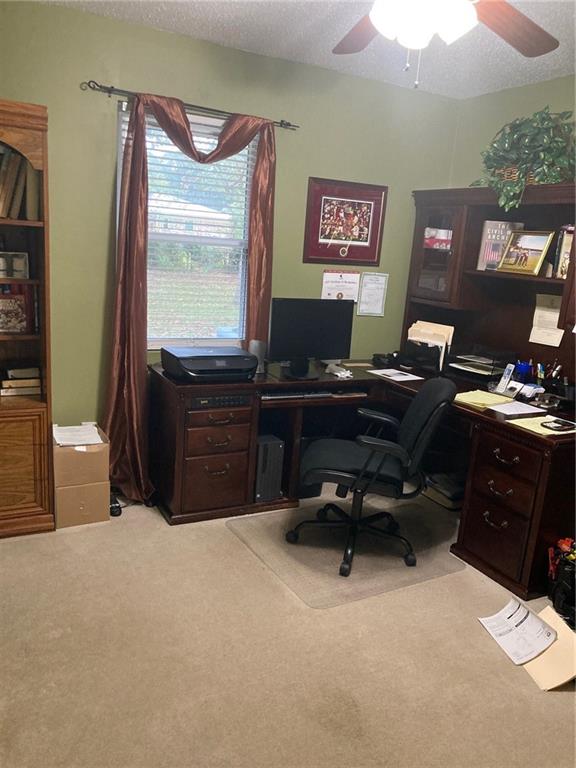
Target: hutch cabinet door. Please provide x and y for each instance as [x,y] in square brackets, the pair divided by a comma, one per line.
[436,253]
[23,464]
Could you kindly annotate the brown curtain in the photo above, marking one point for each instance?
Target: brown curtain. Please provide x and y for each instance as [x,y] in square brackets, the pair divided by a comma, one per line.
[126,417]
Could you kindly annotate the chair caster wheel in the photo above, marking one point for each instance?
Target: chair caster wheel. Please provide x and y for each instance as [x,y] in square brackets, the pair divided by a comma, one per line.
[291,537]
[410,558]
[345,569]
[322,515]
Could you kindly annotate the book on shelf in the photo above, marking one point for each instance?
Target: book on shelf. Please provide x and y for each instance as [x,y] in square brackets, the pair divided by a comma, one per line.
[7,187]
[18,195]
[17,300]
[31,372]
[32,193]
[13,316]
[4,163]
[22,391]
[563,250]
[495,236]
[18,383]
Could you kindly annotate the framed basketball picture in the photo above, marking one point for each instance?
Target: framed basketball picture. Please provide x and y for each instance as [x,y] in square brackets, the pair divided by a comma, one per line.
[344,222]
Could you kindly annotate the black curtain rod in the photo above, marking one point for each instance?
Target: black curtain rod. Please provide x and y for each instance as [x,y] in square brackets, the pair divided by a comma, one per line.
[113,91]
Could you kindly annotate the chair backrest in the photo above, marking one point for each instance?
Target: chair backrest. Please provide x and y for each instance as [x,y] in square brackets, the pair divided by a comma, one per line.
[423,416]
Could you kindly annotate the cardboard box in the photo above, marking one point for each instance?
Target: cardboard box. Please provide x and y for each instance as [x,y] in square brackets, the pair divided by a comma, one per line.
[79,504]
[81,464]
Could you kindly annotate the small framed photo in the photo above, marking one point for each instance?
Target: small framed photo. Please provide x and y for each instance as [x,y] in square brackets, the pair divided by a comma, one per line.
[14,264]
[344,221]
[525,252]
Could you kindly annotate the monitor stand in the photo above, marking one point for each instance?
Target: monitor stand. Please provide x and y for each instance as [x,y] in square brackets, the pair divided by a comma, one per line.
[299,370]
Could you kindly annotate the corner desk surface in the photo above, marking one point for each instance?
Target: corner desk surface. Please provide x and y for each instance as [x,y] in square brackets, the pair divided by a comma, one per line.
[519,495]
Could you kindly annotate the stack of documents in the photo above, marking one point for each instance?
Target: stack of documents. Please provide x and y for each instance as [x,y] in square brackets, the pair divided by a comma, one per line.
[432,334]
[483,366]
[480,399]
[514,410]
[84,434]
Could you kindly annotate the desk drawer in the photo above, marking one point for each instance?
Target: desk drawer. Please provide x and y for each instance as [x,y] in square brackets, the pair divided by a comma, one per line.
[221,417]
[507,491]
[211,482]
[514,459]
[496,535]
[205,440]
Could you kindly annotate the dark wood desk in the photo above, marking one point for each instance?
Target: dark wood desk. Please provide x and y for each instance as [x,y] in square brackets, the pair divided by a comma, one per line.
[519,496]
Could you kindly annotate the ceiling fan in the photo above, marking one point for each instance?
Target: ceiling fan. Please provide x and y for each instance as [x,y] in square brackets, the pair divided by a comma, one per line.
[414,22]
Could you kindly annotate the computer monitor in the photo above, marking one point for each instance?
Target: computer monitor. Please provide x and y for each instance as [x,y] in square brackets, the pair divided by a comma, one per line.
[301,329]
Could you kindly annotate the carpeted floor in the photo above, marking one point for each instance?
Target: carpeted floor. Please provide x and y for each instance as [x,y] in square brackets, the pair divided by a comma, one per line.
[310,568]
[132,644]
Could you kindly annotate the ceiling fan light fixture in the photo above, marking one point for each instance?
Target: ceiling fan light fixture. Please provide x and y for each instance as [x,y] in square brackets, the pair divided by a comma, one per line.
[411,22]
[457,17]
[386,16]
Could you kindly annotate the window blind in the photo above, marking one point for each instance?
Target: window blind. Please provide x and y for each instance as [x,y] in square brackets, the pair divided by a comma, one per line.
[197,236]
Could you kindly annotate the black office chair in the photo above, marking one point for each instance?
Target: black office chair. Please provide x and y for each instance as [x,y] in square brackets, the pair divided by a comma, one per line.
[373,465]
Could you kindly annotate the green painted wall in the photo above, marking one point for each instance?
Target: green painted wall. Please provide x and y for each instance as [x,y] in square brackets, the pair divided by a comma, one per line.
[351,129]
[481,118]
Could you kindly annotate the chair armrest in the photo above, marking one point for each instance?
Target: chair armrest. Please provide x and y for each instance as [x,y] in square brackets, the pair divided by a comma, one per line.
[383,419]
[384,446]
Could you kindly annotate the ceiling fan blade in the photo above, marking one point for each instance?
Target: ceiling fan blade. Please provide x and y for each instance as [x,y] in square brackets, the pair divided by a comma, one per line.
[358,38]
[515,28]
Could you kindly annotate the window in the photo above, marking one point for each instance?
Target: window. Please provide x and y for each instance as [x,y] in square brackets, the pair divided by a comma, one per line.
[197,237]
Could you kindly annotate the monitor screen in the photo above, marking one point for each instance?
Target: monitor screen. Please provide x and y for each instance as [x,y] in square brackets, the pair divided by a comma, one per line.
[310,328]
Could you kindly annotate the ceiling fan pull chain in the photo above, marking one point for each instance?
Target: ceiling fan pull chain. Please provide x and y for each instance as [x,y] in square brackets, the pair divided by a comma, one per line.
[417,81]
[407,65]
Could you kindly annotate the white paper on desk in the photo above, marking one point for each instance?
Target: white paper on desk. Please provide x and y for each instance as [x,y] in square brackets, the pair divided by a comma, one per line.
[521,634]
[372,298]
[545,323]
[395,375]
[515,408]
[557,665]
[84,434]
[340,285]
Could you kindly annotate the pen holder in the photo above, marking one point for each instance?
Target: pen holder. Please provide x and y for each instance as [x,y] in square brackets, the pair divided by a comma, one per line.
[523,372]
[564,391]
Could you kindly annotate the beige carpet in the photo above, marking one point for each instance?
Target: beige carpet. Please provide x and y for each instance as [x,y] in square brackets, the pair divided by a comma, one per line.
[310,567]
[133,644]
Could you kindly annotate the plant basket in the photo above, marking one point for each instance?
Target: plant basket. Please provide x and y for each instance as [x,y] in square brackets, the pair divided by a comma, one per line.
[511,174]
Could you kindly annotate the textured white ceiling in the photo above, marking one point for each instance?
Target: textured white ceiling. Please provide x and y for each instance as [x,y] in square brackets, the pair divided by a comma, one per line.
[478,63]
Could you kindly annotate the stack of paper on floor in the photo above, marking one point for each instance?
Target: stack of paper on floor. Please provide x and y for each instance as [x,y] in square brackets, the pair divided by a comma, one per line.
[432,334]
[542,643]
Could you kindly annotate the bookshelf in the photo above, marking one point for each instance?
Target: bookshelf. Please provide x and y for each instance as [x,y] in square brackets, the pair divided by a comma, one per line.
[488,308]
[25,419]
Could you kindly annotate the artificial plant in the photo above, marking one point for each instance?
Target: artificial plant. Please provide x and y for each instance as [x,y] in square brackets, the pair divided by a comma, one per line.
[540,147]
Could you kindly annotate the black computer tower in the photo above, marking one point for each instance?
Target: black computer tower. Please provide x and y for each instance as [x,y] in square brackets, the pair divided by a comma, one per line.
[269,468]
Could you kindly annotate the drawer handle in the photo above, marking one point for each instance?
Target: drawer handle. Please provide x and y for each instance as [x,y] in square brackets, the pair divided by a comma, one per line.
[228,420]
[217,472]
[221,444]
[509,463]
[503,524]
[500,494]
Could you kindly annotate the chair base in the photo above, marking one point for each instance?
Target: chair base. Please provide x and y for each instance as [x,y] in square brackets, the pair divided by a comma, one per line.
[354,524]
